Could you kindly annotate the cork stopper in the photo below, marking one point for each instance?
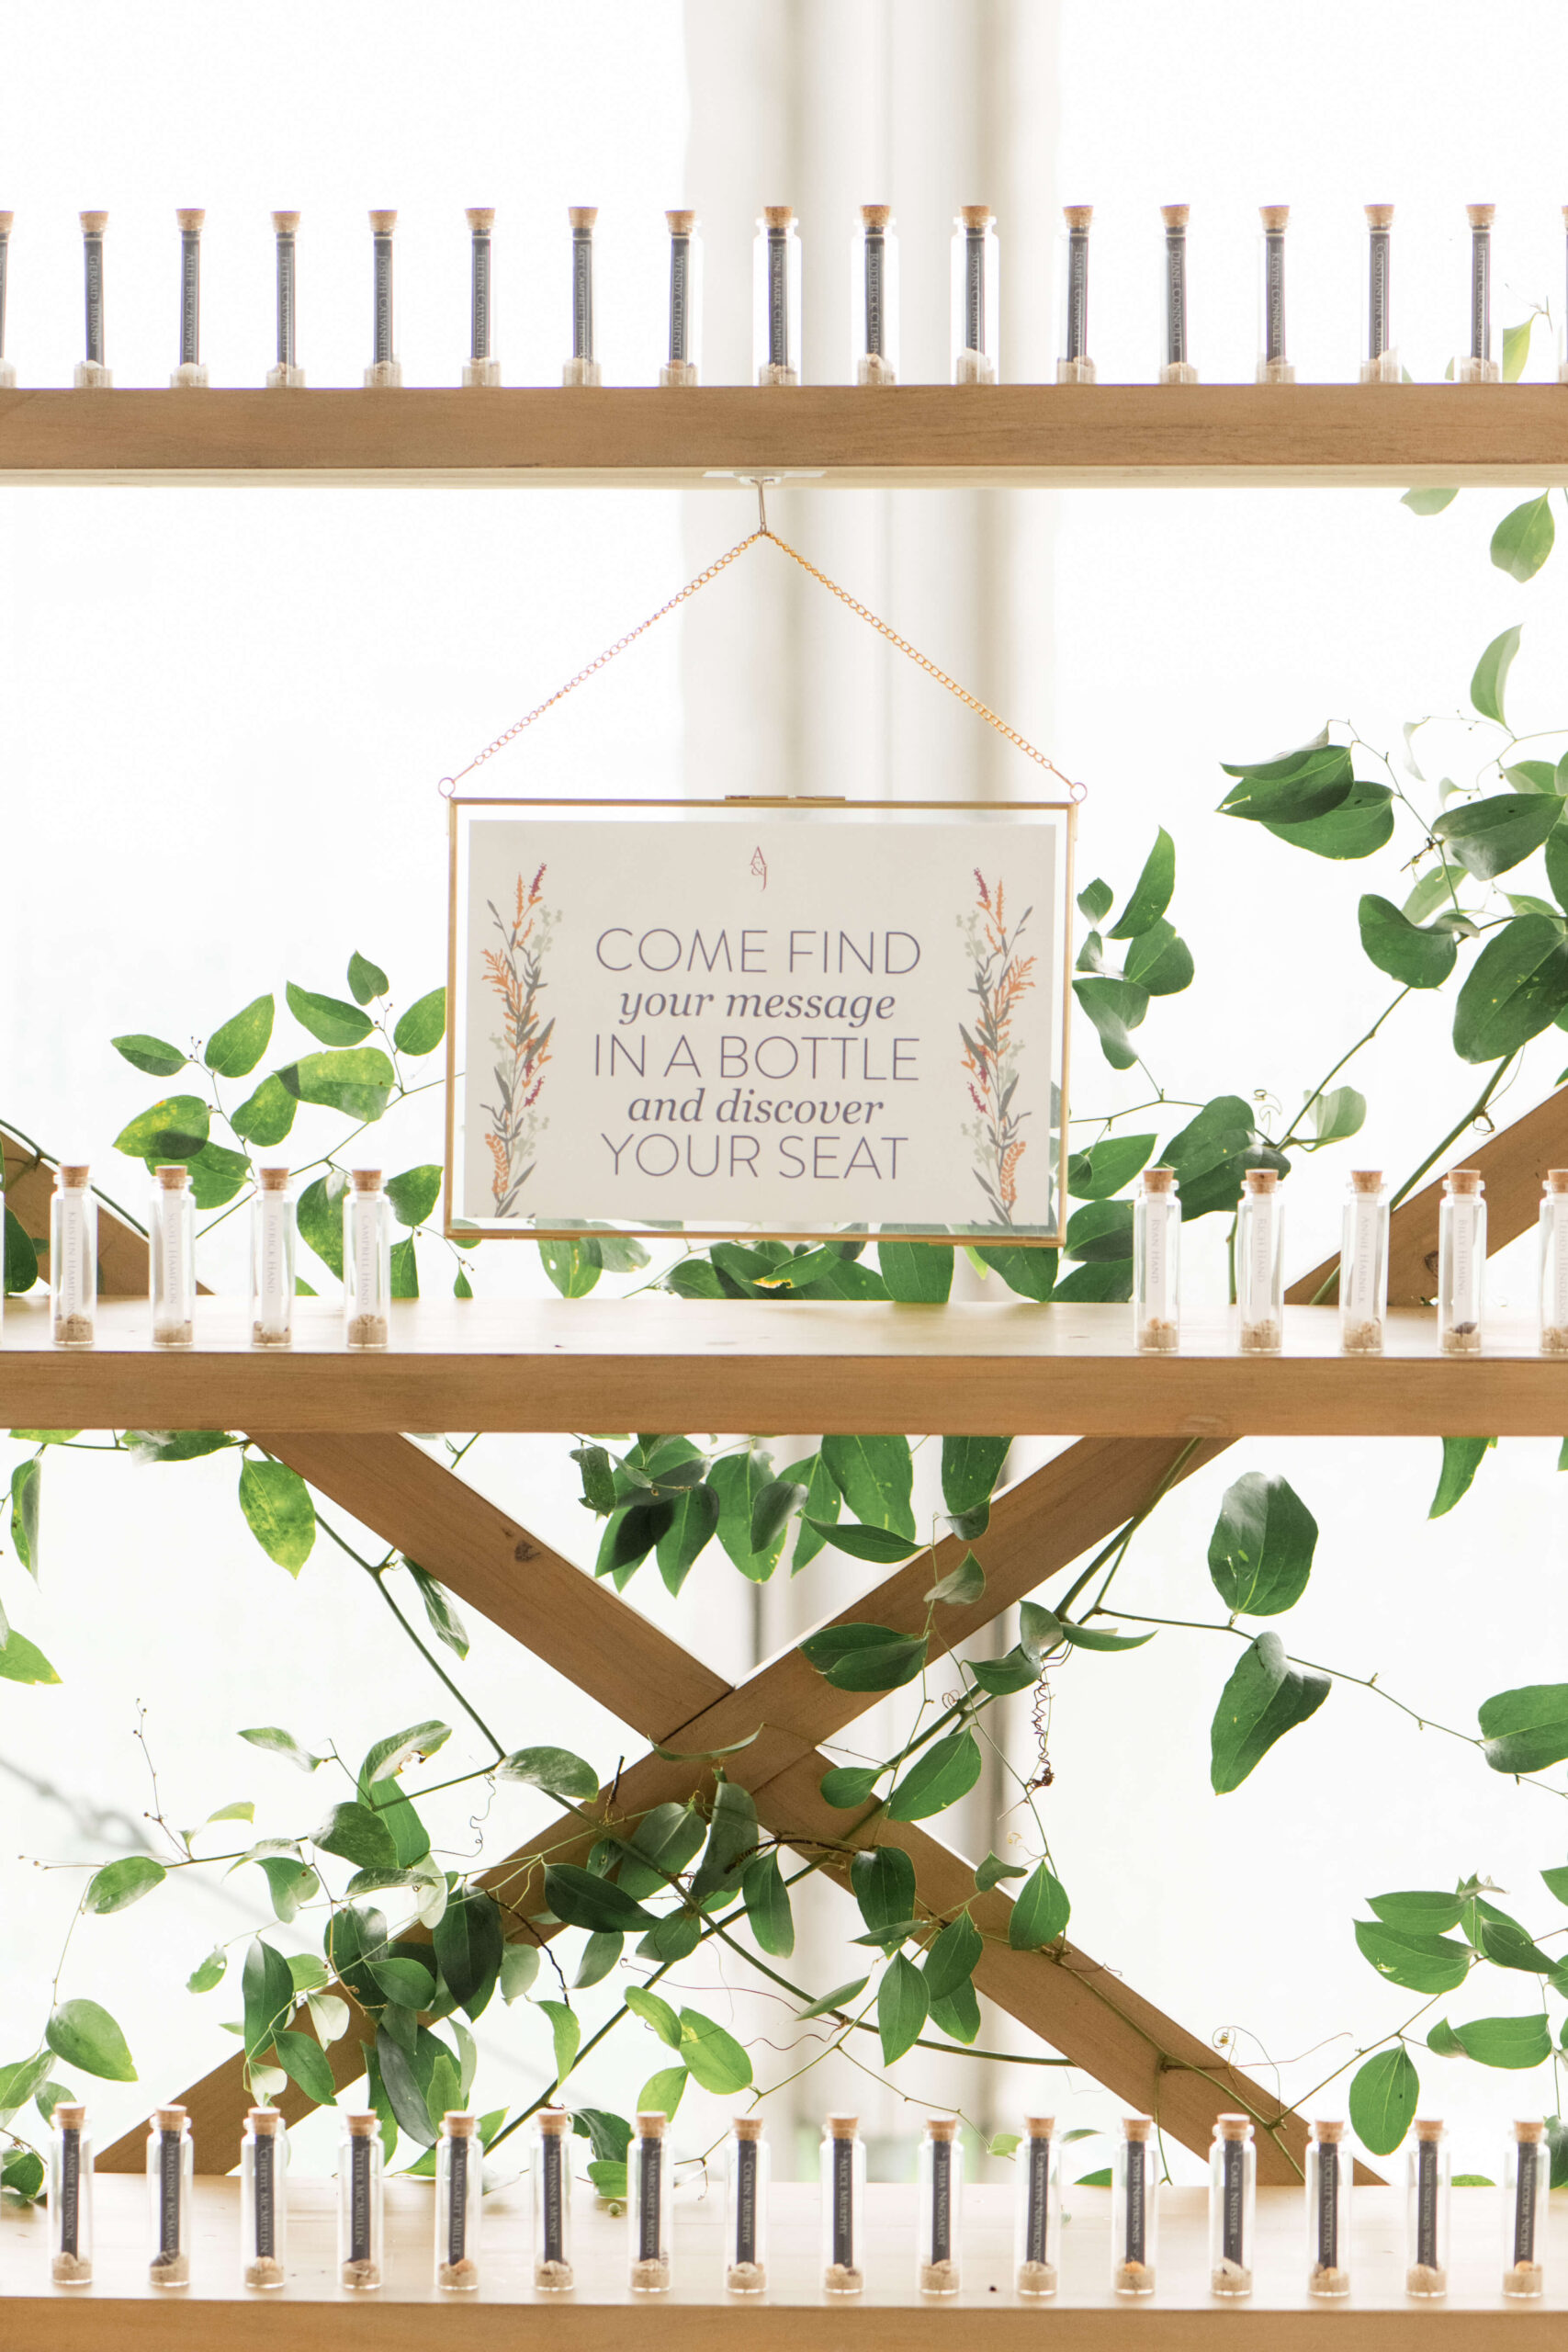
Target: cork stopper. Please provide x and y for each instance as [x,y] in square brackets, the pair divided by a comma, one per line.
[1557,1179]
[94,224]
[169,2119]
[1275,219]
[273,1180]
[383,223]
[1379,216]
[1078,216]
[681,224]
[1232,2127]
[1481,216]
[1524,2133]
[1366,1180]
[1463,1180]
[1160,1180]
[265,2122]
[1136,2126]
[1330,2134]
[555,2122]
[286,223]
[748,2126]
[582,216]
[975,216]
[459,2123]
[72,1179]
[651,2127]
[190,219]
[778,216]
[942,2127]
[843,2127]
[1261,1180]
[1428,2128]
[1175,215]
[1040,2127]
[69,2117]
[366,1180]
[875,216]
[362,2127]
[173,1179]
[482,218]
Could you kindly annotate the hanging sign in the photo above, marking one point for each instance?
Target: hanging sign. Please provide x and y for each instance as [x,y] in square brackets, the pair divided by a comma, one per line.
[779,1018]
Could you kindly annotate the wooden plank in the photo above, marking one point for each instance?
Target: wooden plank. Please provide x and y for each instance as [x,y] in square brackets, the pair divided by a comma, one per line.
[917,435]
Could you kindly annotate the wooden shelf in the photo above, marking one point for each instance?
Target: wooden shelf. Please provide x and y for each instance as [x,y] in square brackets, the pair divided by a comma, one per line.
[1515,434]
[818,1365]
[697,2317]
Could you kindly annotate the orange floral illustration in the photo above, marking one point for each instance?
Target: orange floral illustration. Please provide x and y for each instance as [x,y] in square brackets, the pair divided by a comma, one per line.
[991,1049]
[514,972]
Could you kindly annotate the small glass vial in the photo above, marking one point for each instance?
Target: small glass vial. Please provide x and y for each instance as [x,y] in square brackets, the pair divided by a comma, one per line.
[1527,2176]
[873,296]
[171,2164]
[1176,368]
[581,372]
[7,373]
[1074,366]
[92,376]
[272,1261]
[1134,2209]
[1428,2167]
[1037,2227]
[843,2199]
[1462,1263]
[1273,368]
[366,1261]
[1259,1263]
[69,2198]
[1233,2203]
[359,2202]
[1156,1264]
[938,2251]
[1381,365]
[1329,2172]
[746,2207]
[1554,1263]
[680,372]
[384,374]
[264,2199]
[480,369]
[552,2202]
[775,296]
[1363,1264]
[190,375]
[172,1259]
[73,1259]
[650,2181]
[458,2201]
[976,302]
[286,376]
[1478,367]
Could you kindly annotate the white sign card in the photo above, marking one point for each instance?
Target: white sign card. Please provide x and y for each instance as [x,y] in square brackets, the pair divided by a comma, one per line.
[775,1018]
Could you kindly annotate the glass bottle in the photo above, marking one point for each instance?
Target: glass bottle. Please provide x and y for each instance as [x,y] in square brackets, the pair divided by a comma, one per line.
[384,374]
[1462,1263]
[1074,366]
[480,370]
[649,2179]
[1157,1264]
[1037,2229]
[172,1259]
[746,2207]
[552,2202]
[1233,2203]
[1363,1264]
[73,1259]
[976,303]
[359,2202]
[1330,2173]
[272,1261]
[1134,2209]
[70,2196]
[1554,1263]
[1381,365]
[366,1261]
[7,373]
[190,375]
[286,376]
[458,2195]
[264,2199]
[582,370]
[92,376]
[938,2253]
[170,2171]
[844,2199]
[873,296]
[1273,368]
[775,296]
[1260,1262]
[1478,367]
[1427,2165]
[682,370]
[1176,368]
[1527,2176]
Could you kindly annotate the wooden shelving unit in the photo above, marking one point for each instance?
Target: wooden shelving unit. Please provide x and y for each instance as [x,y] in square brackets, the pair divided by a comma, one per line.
[918,434]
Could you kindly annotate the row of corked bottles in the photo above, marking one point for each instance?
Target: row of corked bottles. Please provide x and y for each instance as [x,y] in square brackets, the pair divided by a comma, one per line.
[1362,1278]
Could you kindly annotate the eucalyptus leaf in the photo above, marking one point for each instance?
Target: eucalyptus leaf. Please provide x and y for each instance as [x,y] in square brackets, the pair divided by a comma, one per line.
[153,1054]
[365,981]
[1489,836]
[172,1130]
[1382,2101]
[420,1029]
[265,1117]
[1361,824]
[235,1048]
[1524,1730]
[1151,892]
[1116,1007]
[120,1884]
[1517,986]
[1290,790]
[1108,1166]
[1421,1963]
[1463,1457]
[1265,1697]
[1422,502]
[1490,682]
[1262,1550]
[328,1017]
[1419,959]
[279,1513]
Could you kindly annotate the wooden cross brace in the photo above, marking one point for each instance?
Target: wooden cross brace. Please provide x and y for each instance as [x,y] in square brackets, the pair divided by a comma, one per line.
[578,1625]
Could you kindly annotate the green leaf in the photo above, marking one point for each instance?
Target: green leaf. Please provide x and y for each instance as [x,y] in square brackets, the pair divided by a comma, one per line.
[1211,1152]
[1100,1232]
[575,1896]
[865,1542]
[600,1955]
[1337,1114]
[414,1194]
[1532,775]
[1523,1730]
[957,2013]
[469,1940]
[360,1836]
[715,2059]
[400,2077]
[306,2063]
[1382,2101]
[1096,900]
[1108,1166]
[1292,790]
[861,1658]
[21,1662]
[1151,892]
[1420,959]
[1003,1676]
[1040,1912]
[519,1968]
[290,1885]
[1160,961]
[1260,1552]
[738,1479]
[1491,679]
[768,1911]
[1420,502]
[269,1996]
[1522,540]
[918,1273]
[598,1478]
[358,1083]
[120,1884]
[234,1049]
[153,1054]
[278,1512]
[848,1785]
[993,1869]
[283,1743]
[365,981]
[660,2095]
[654,2012]
[875,1476]
[663,1844]
[209,1974]
[319,1215]
[962,1586]
[1265,1697]
[938,1777]
[839,1998]
[19,2081]
[555,1769]
[1516,987]
[216,1175]
[731,1839]
[1116,1007]
[26,1485]
[1463,1457]
[1031,1273]
[566,2032]
[421,1027]
[771,1507]
[1422,1963]
[1490,836]
[693,1522]
[391,1756]
[445,1622]
[970,1468]
[174,1129]
[1516,352]
[21,2174]
[950,1960]
[328,1017]
[1513,2042]
[265,1117]
[1417,1912]
[902,2007]
[1361,825]
[882,1879]
[20,1257]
